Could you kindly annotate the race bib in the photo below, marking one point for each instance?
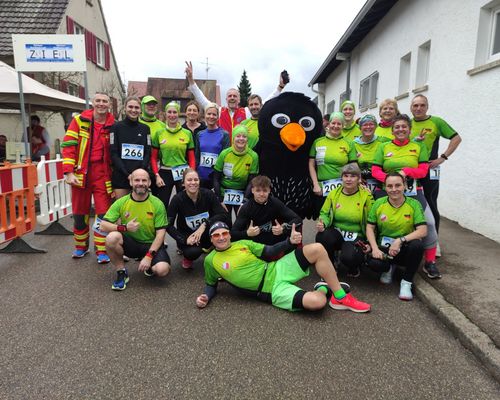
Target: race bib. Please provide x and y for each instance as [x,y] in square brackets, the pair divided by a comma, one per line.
[207,159]
[387,241]
[96,227]
[195,221]
[320,155]
[411,190]
[330,185]
[227,170]
[132,152]
[233,197]
[372,184]
[348,236]
[435,173]
[178,171]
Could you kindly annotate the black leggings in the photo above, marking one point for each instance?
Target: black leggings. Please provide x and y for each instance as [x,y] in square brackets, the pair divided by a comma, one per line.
[431,192]
[165,192]
[409,257]
[350,254]
[195,251]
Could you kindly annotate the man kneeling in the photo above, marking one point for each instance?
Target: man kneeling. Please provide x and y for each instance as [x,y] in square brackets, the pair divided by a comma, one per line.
[141,232]
[242,264]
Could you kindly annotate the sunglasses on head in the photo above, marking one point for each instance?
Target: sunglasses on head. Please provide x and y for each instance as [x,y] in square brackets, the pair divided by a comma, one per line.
[223,234]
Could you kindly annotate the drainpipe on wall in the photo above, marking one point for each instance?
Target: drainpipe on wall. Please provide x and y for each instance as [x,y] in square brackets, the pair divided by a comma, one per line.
[321,96]
[346,57]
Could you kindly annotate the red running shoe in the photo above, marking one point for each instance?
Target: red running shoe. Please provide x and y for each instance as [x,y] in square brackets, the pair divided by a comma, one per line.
[349,302]
[187,264]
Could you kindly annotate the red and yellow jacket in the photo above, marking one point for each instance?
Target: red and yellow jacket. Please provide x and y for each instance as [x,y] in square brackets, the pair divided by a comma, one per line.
[227,123]
[77,145]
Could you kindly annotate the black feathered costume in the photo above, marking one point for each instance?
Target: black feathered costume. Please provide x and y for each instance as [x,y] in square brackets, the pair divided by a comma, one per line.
[288,125]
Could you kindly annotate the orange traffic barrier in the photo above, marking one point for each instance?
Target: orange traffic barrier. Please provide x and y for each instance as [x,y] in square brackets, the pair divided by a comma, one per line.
[17,202]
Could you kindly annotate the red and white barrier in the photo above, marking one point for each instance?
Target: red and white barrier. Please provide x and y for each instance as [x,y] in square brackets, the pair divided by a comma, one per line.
[54,194]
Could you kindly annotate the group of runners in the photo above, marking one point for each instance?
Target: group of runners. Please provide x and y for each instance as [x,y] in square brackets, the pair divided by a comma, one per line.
[375,184]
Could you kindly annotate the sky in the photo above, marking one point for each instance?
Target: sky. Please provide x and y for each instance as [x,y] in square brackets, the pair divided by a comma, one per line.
[153,38]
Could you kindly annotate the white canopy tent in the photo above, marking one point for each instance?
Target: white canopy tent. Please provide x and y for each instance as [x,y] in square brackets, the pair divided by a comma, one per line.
[38,96]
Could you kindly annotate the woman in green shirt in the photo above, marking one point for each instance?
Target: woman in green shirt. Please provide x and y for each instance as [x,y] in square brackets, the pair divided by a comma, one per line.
[396,225]
[342,220]
[173,146]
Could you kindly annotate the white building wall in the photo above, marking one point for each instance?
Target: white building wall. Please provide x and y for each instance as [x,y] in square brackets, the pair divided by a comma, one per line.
[470,184]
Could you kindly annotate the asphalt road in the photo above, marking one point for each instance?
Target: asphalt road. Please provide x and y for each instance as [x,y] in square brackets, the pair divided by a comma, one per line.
[65,334]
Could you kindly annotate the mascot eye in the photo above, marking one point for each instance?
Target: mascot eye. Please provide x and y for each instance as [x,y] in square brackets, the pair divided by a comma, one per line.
[307,123]
[280,120]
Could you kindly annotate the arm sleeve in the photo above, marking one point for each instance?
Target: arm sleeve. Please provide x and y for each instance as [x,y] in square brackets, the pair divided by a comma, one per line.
[270,252]
[69,146]
[240,225]
[225,140]
[417,173]
[154,160]
[146,161]
[198,95]
[173,210]
[190,158]
[287,215]
[275,93]
[114,149]
[216,177]
[378,173]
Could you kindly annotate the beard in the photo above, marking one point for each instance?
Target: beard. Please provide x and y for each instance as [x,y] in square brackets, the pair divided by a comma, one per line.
[140,190]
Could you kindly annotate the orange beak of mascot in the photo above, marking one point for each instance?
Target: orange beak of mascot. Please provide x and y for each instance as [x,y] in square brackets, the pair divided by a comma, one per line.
[288,126]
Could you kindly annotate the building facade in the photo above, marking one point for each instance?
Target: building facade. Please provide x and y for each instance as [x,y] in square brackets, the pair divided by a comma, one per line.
[450,52]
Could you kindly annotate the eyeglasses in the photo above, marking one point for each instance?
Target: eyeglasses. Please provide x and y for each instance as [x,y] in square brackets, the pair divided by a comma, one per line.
[217,235]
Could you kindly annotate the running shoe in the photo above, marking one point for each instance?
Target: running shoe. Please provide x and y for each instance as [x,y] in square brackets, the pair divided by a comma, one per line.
[103,258]
[149,272]
[405,290]
[432,270]
[187,264]
[329,293]
[349,302]
[79,253]
[386,277]
[121,280]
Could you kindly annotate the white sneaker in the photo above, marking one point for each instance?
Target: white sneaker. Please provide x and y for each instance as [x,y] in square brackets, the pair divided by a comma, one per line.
[405,290]
[386,277]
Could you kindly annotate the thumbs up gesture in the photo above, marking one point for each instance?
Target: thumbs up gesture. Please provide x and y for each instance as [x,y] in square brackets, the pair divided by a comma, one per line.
[253,230]
[277,229]
[133,225]
[295,237]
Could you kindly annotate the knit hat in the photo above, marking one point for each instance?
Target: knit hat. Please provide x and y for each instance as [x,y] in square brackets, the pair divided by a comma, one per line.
[337,115]
[347,102]
[217,225]
[367,118]
[173,104]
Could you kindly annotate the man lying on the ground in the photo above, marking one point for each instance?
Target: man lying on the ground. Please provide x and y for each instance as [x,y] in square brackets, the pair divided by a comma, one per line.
[243,265]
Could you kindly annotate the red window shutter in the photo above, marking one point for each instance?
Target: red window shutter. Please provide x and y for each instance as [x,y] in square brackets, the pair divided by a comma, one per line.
[107,60]
[81,92]
[94,49]
[70,26]
[88,44]
[115,106]
[63,86]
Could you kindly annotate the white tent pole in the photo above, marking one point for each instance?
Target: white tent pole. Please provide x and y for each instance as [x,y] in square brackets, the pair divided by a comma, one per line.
[23,115]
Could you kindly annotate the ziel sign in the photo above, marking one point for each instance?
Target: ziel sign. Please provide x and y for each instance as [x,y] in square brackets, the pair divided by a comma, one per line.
[49,52]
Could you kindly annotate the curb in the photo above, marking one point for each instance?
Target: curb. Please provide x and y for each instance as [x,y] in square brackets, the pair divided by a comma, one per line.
[471,337]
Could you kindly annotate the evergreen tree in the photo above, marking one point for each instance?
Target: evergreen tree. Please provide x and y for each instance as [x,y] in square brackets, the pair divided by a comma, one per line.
[245,89]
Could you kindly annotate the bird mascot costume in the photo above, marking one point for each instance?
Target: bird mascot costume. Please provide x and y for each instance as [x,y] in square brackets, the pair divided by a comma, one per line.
[288,125]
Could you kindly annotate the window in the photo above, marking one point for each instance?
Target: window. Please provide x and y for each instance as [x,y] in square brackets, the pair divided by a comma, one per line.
[495,34]
[73,90]
[78,30]
[99,52]
[368,91]
[344,96]
[423,61]
[404,74]
[330,107]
